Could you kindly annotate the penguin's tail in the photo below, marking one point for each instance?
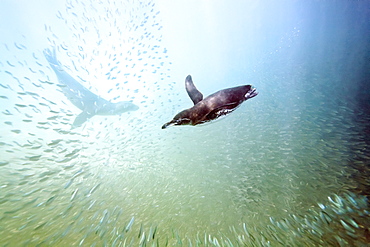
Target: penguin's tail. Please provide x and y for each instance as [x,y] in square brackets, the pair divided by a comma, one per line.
[252,92]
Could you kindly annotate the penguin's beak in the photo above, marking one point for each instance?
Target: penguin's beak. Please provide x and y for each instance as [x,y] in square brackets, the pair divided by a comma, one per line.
[167,124]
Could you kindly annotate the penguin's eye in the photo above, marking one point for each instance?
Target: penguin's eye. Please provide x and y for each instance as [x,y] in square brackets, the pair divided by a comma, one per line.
[181,121]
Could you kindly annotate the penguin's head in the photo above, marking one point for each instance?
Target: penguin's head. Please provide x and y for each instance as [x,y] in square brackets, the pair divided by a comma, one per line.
[182,118]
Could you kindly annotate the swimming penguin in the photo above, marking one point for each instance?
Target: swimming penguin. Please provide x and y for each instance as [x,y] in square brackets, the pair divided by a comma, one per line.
[212,107]
[90,103]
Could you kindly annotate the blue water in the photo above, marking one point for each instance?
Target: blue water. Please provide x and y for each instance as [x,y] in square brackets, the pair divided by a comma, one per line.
[288,167]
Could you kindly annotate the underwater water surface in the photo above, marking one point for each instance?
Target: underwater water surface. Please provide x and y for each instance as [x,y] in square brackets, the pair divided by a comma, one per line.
[289,167]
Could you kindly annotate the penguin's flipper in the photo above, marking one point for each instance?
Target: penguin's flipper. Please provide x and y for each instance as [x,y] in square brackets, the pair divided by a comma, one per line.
[193,92]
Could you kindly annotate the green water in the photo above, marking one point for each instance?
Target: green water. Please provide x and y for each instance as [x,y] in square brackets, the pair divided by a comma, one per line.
[186,184]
